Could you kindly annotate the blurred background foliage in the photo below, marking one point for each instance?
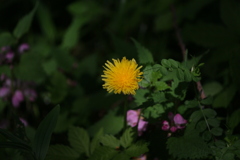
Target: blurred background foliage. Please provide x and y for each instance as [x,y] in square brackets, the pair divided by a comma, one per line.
[71,40]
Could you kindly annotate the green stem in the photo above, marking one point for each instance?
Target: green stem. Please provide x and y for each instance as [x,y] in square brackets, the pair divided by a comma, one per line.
[125,113]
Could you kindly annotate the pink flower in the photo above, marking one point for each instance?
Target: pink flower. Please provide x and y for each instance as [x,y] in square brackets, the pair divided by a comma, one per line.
[177,122]
[25,123]
[132,120]
[9,56]
[4,91]
[17,98]
[23,47]
[142,127]
[165,126]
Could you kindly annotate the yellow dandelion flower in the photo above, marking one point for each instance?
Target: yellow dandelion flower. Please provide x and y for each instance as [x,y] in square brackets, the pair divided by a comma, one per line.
[122,76]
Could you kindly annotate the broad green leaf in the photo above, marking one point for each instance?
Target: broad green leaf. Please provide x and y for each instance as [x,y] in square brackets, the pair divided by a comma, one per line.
[24,23]
[196,116]
[217,131]
[30,68]
[234,119]
[49,66]
[209,113]
[61,152]
[103,153]
[213,122]
[207,101]
[5,70]
[111,124]
[6,39]
[46,22]
[166,63]
[144,55]
[161,86]
[58,88]
[201,126]
[79,140]
[71,36]
[212,88]
[63,58]
[127,138]
[191,103]
[140,96]
[137,149]
[153,111]
[189,146]
[121,156]
[95,141]
[110,141]
[43,134]
[224,98]
[15,141]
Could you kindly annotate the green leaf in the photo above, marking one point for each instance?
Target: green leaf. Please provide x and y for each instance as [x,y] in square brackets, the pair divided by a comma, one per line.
[61,152]
[234,119]
[110,141]
[207,101]
[103,153]
[161,86]
[58,88]
[24,23]
[212,88]
[30,68]
[144,55]
[191,103]
[137,149]
[49,66]
[224,98]
[43,134]
[189,146]
[217,131]
[5,70]
[6,39]
[127,138]
[71,36]
[196,116]
[140,96]
[111,123]
[46,22]
[201,126]
[79,140]
[213,122]
[166,63]
[95,142]
[121,156]
[153,111]
[210,113]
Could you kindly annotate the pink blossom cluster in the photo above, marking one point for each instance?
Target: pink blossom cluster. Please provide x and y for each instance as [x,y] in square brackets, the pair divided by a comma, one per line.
[132,120]
[15,90]
[176,122]
[7,55]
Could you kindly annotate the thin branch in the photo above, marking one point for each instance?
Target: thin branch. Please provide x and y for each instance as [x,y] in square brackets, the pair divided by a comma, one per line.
[183,48]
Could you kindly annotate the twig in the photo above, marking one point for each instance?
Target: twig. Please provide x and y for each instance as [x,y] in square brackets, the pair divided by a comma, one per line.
[183,48]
